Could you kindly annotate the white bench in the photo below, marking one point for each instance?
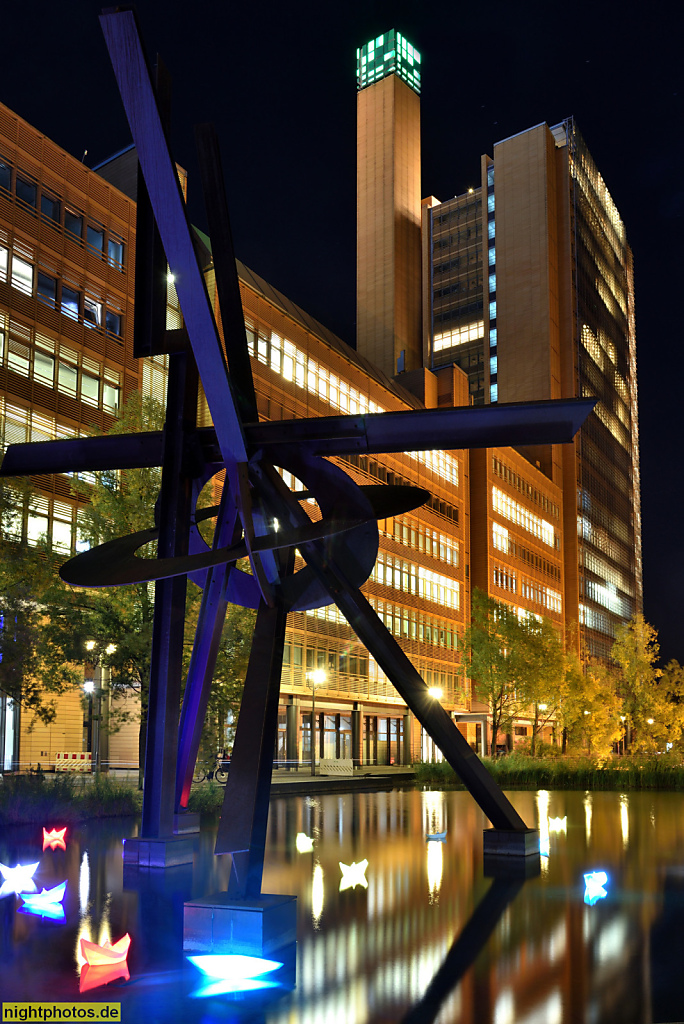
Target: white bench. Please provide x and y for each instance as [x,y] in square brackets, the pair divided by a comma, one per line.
[336,766]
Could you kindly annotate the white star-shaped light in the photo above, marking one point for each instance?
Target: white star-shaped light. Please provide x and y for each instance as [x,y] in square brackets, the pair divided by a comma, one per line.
[233,972]
[353,874]
[595,882]
[303,843]
[18,879]
[558,824]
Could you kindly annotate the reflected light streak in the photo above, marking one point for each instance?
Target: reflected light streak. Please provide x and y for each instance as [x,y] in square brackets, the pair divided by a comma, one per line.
[588,806]
[624,819]
[433,809]
[543,821]
[558,824]
[504,1008]
[434,870]
[18,879]
[353,874]
[50,911]
[595,882]
[303,843]
[317,895]
[84,884]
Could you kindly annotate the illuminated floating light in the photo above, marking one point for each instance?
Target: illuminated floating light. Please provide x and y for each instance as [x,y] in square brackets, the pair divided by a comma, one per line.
[317,895]
[595,882]
[439,837]
[106,954]
[233,972]
[303,843]
[18,879]
[45,898]
[54,839]
[353,874]
[558,824]
[94,977]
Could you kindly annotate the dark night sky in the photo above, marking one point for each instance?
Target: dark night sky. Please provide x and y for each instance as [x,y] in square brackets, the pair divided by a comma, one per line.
[278,81]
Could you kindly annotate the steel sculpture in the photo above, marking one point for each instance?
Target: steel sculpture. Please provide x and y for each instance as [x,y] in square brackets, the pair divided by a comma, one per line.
[259,516]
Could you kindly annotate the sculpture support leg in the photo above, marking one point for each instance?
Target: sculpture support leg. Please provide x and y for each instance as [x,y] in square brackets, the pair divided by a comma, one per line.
[412,689]
[169,607]
[244,816]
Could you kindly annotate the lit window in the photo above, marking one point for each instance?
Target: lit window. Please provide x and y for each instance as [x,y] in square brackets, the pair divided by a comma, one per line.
[492,310]
[68,378]
[43,367]
[493,363]
[490,204]
[90,389]
[3,263]
[110,398]
[18,357]
[61,536]
[494,393]
[492,257]
[37,527]
[22,275]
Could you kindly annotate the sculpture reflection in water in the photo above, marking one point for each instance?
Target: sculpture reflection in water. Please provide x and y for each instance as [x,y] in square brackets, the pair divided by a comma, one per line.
[506,884]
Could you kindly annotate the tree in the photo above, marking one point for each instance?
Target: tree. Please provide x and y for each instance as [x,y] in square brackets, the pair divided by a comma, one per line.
[487,647]
[635,652]
[538,665]
[31,672]
[589,707]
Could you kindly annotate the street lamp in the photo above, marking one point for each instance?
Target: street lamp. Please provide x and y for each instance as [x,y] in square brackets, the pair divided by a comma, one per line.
[436,691]
[650,721]
[316,678]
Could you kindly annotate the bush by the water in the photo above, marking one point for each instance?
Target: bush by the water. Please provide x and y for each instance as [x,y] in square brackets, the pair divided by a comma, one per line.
[63,798]
[520,771]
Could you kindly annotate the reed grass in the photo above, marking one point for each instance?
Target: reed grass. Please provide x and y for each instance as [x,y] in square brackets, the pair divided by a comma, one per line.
[518,771]
[64,799]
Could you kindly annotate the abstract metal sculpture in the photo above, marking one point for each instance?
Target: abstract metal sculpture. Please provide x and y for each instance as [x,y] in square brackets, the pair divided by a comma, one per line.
[259,516]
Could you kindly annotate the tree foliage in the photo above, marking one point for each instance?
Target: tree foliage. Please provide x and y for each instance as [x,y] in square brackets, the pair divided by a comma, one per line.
[516,663]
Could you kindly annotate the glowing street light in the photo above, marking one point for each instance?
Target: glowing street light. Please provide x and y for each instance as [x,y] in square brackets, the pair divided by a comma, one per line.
[436,692]
[650,721]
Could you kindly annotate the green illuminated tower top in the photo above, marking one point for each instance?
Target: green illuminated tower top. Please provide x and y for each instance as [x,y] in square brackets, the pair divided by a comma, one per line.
[389,54]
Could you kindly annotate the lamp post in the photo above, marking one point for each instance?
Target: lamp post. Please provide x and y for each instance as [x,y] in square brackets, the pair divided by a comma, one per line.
[316,678]
[94,687]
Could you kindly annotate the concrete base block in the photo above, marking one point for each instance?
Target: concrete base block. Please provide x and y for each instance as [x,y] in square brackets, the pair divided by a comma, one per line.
[502,842]
[164,852]
[255,927]
[186,822]
[511,869]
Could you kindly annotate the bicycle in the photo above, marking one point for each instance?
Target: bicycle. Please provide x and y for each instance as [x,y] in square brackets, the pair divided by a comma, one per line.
[218,771]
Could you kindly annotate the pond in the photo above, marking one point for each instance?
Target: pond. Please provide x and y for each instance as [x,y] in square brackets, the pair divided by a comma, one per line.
[420,935]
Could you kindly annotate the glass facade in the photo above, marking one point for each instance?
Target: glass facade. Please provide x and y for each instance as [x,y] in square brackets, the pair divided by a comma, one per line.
[457,295]
[608,492]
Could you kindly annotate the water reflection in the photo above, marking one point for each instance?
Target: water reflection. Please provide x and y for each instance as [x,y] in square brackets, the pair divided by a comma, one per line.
[398,947]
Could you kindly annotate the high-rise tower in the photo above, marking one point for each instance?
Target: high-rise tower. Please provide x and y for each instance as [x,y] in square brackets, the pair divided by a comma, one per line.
[543,308]
[388,318]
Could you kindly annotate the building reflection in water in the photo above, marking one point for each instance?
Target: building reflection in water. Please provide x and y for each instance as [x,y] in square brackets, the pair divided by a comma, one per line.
[431,935]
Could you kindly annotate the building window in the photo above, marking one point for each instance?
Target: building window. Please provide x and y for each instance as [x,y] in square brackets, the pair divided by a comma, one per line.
[95,237]
[22,275]
[113,322]
[90,389]
[44,367]
[26,191]
[115,252]
[47,290]
[5,175]
[50,207]
[92,313]
[73,222]
[71,301]
[68,378]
